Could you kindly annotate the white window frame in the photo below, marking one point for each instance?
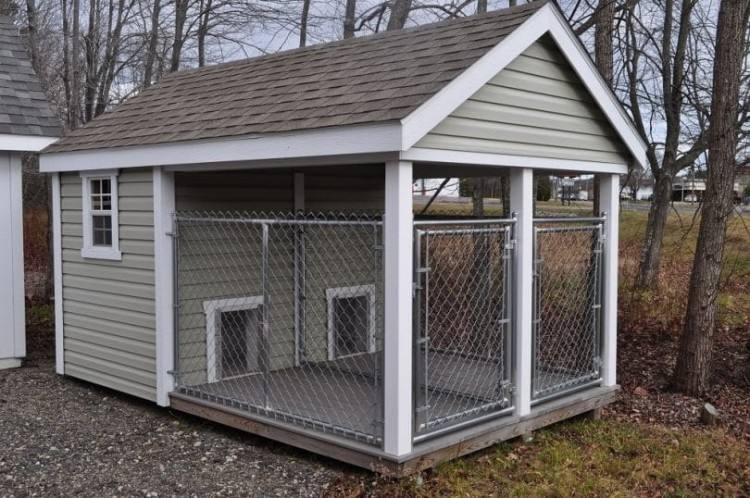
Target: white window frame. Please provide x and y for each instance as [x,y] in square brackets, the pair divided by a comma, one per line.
[89,250]
[347,292]
[213,310]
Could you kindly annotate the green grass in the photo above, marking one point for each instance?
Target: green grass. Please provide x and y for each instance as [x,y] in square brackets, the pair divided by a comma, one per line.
[588,458]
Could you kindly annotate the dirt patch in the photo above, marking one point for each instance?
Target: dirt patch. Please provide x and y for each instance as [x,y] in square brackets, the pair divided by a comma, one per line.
[62,437]
[646,360]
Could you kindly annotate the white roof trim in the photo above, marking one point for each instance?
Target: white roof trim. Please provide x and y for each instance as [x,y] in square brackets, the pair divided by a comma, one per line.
[24,143]
[439,156]
[546,20]
[359,139]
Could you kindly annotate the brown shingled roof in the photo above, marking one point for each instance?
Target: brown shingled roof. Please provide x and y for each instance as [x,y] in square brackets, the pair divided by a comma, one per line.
[370,79]
[23,107]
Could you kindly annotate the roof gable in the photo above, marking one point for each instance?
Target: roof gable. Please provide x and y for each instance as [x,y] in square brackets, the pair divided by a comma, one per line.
[371,79]
[548,21]
[24,109]
[537,106]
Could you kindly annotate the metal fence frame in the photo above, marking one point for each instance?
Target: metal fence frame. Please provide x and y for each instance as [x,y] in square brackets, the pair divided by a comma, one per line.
[423,229]
[593,378]
[301,223]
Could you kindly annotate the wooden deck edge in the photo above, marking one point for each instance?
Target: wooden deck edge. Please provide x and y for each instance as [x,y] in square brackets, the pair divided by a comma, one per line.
[425,455]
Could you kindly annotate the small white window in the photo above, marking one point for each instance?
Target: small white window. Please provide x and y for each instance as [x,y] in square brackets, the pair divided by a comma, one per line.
[234,331]
[101,238]
[351,321]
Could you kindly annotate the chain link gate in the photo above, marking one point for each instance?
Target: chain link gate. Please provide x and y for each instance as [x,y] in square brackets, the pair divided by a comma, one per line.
[281,316]
[567,305]
[462,323]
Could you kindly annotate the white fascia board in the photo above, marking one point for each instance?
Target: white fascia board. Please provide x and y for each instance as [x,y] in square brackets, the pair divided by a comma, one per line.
[359,139]
[24,143]
[546,20]
[439,156]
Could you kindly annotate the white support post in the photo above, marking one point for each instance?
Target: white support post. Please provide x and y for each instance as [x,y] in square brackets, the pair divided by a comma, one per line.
[164,207]
[397,233]
[57,272]
[609,203]
[522,204]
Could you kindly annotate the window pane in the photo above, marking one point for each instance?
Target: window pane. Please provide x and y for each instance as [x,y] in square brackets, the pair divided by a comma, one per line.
[106,186]
[351,316]
[107,202]
[96,186]
[102,230]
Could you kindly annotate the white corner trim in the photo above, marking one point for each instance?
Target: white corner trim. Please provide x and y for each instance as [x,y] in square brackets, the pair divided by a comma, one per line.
[426,155]
[16,256]
[367,291]
[213,310]
[164,206]
[57,263]
[546,20]
[24,143]
[89,250]
[333,141]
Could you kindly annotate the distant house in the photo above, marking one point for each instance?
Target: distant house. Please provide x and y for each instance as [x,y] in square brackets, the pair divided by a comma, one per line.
[238,241]
[26,125]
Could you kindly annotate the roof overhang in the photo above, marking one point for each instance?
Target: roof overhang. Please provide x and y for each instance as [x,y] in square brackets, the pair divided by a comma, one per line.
[547,20]
[24,143]
[335,141]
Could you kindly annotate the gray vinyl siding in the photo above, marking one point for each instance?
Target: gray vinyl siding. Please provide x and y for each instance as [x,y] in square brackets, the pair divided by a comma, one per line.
[537,106]
[230,265]
[108,306]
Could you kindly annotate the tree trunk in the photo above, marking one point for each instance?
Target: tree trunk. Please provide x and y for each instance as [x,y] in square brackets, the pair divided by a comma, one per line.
[657,220]
[75,77]
[481,6]
[205,17]
[399,14]
[349,18]
[605,18]
[153,43]
[32,34]
[691,374]
[91,41]
[180,15]
[477,197]
[303,23]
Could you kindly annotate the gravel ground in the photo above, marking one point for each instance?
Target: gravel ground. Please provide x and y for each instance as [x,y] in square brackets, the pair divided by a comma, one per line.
[62,437]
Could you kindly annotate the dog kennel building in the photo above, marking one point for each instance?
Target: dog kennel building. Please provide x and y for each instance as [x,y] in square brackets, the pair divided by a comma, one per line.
[239,242]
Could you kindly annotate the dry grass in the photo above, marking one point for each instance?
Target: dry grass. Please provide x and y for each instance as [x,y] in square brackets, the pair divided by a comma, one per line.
[585,458]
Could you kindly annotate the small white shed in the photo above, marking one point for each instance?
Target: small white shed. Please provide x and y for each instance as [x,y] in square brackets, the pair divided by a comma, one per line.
[26,125]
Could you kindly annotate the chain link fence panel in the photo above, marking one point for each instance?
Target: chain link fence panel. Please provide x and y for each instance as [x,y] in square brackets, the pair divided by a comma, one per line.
[462,322]
[567,307]
[281,315]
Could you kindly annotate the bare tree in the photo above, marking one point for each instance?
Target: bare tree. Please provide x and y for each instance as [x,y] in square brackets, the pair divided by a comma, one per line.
[660,52]
[691,374]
